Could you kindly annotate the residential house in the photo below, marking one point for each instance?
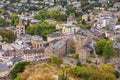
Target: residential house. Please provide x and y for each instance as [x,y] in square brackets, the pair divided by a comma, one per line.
[117,5]
[60,47]
[13,60]
[104,21]
[54,36]
[117,49]
[33,54]
[117,29]
[4,70]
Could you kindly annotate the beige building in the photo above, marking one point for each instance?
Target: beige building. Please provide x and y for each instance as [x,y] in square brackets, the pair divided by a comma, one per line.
[67,28]
[85,17]
[109,34]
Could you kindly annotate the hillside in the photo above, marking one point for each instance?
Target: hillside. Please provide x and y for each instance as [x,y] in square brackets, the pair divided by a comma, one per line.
[50,71]
[44,71]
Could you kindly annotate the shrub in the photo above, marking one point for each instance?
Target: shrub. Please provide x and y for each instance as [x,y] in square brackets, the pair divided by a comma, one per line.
[18,69]
[76,56]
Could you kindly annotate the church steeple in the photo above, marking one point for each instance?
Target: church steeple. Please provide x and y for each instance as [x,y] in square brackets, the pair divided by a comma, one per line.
[20,28]
[20,22]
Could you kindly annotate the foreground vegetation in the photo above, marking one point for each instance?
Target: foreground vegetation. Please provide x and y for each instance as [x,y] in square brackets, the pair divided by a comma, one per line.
[56,69]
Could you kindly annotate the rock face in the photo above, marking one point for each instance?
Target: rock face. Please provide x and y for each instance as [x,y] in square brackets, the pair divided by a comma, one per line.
[116,63]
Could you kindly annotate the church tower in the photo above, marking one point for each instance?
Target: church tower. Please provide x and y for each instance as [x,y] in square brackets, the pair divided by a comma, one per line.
[20,28]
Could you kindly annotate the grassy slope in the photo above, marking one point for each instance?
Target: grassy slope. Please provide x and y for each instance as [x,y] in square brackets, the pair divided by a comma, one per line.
[43,71]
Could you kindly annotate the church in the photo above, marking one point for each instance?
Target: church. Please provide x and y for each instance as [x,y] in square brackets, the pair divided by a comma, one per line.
[35,40]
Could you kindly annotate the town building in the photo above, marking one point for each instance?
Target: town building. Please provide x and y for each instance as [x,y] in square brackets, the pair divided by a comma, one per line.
[55,36]
[4,70]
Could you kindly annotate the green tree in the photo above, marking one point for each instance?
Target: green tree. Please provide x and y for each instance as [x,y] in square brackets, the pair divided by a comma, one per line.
[8,36]
[43,29]
[70,9]
[18,77]
[93,73]
[108,50]
[100,46]
[107,27]
[117,74]
[56,60]
[76,56]
[50,14]
[14,19]
[79,64]
[3,22]
[18,69]
[42,14]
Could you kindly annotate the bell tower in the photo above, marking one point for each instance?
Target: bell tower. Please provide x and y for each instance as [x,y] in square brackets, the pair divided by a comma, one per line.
[20,28]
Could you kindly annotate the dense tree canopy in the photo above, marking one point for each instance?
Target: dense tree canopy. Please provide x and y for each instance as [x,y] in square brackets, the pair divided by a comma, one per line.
[8,36]
[105,47]
[50,14]
[100,46]
[14,19]
[104,72]
[86,6]
[108,50]
[42,29]
[70,9]
[76,56]
[56,60]
[3,22]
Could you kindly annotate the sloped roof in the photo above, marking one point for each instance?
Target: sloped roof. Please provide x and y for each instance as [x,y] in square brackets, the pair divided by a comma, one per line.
[3,67]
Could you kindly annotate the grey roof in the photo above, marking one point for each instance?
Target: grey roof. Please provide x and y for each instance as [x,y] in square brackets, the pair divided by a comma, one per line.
[83,33]
[3,67]
[117,45]
[34,51]
[37,37]
[58,45]
[56,34]
[15,59]
[87,48]
[4,53]
[26,37]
